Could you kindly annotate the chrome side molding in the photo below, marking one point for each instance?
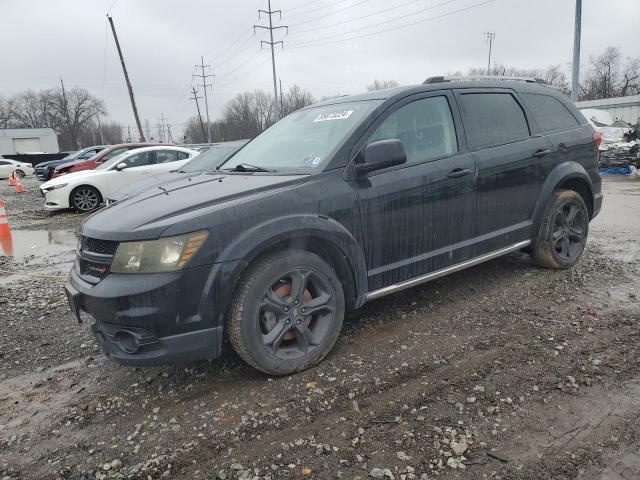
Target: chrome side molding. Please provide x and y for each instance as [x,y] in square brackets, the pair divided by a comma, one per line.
[445,271]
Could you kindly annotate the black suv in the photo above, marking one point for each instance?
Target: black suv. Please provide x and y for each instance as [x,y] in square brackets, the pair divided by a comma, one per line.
[335,205]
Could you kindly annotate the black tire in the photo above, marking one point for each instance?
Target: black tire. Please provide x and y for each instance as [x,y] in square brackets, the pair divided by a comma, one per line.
[273,333]
[20,173]
[85,199]
[563,231]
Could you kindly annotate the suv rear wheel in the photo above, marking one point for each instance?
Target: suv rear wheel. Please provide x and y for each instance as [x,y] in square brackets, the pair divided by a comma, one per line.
[564,230]
[286,313]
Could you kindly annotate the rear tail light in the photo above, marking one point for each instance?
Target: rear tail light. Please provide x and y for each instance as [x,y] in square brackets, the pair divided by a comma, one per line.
[597,138]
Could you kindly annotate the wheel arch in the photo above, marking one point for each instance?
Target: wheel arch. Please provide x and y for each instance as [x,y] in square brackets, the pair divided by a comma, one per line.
[317,234]
[570,176]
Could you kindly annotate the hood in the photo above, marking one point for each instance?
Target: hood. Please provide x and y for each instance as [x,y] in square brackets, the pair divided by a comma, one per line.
[70,164]
[70,177]
[51,163]
[148,214]
[140,187]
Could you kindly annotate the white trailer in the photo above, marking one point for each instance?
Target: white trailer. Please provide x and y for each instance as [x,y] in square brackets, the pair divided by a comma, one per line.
[28,140]
[620,108]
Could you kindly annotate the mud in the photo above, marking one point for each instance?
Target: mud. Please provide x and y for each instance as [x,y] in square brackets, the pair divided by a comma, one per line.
[503,371]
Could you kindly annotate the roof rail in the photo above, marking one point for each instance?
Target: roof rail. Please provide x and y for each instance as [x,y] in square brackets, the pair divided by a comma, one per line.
[448,78]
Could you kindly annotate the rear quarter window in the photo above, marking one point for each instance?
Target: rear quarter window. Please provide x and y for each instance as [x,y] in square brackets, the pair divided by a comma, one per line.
[492,119]
[549,112]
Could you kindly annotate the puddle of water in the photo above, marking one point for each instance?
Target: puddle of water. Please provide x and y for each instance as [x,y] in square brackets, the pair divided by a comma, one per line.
[42,246]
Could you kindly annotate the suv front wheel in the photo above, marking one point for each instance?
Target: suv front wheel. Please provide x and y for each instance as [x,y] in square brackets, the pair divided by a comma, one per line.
[286,313]
[563,232]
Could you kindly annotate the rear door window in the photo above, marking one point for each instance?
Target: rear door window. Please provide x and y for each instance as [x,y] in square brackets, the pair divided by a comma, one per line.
[166,156]
[549,112]
[492,119]
[425,128]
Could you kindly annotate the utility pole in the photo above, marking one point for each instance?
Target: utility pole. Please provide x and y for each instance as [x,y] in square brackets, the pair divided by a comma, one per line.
[126,77]
[271,43]
[281,99]
[196,97]
[128,134]
[575,76]
[203,75]
[161,125]
[169,136]
[489,37]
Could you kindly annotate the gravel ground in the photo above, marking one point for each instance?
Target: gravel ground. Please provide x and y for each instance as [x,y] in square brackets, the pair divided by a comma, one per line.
[503,371]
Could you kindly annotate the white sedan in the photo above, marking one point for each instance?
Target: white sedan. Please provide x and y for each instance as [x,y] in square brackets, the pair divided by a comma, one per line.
[85,190]
[7,167]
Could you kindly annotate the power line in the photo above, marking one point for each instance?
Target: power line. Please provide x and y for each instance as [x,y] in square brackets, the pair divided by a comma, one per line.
[321,27]
[203,75]
[399,27]
[331,13]
[240,67]
[271,43]
[315,9]
[384,22]
[297,7]
[256,67]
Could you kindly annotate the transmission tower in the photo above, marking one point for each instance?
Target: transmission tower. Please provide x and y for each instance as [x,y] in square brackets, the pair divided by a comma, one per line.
[271,43]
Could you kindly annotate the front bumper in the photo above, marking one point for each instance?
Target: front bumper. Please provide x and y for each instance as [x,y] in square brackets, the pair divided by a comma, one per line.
[56,199]
[153,319]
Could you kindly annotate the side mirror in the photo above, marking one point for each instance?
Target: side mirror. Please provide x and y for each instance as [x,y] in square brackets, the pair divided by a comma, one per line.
[121,166]
[103,159]
[380,155]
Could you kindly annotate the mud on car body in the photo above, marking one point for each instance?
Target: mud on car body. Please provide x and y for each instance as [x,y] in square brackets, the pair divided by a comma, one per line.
[336,204]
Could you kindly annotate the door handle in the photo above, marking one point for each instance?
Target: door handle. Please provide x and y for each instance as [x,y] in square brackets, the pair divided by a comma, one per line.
[541,153]
[459,172]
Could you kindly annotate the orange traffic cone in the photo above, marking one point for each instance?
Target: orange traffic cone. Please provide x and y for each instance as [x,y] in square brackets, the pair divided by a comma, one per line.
[20,188]
[12,179]
[6,241]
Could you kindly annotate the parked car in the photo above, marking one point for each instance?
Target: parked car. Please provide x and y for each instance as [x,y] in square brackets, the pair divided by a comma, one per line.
[44,170]
[101,157]
[205,162]
[84,191]
[7,167]
[336,205]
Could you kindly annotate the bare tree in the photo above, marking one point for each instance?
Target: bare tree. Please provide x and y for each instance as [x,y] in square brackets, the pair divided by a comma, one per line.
[382,84]
[630,84]
[30,110]
[295,99]
[6,112]
[71,112]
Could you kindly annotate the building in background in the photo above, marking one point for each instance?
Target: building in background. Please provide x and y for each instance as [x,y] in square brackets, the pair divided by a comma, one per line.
[28,140]
[620,108]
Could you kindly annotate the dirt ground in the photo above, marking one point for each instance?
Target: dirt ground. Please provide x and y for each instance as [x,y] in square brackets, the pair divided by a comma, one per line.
[503,371]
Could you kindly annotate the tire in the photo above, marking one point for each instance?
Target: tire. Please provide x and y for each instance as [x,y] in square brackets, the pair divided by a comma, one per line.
[563,231]
[20,174]
[85,199]
[273,333]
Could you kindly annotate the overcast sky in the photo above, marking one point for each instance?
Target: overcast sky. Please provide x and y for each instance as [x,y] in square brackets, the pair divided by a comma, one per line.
[162,40]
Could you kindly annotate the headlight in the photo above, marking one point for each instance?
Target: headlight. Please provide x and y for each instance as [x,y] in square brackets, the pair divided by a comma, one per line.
[156,256]
[55,187]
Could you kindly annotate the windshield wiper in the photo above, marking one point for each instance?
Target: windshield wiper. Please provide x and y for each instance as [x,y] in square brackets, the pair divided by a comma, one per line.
[247,167]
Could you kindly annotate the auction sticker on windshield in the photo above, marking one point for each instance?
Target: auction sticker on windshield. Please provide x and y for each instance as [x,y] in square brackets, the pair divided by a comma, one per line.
[342,115]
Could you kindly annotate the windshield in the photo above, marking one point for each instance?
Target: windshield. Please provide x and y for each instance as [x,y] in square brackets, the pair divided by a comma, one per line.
[211,158]
[303,141]
[72,155]
[112,161]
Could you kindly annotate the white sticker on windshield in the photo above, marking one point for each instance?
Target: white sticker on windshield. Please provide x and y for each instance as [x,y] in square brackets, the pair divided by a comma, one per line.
[343,115]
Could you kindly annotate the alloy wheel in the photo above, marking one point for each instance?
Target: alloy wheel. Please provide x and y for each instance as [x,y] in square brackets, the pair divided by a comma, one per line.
[296,314]
[569,227]
[85,199]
